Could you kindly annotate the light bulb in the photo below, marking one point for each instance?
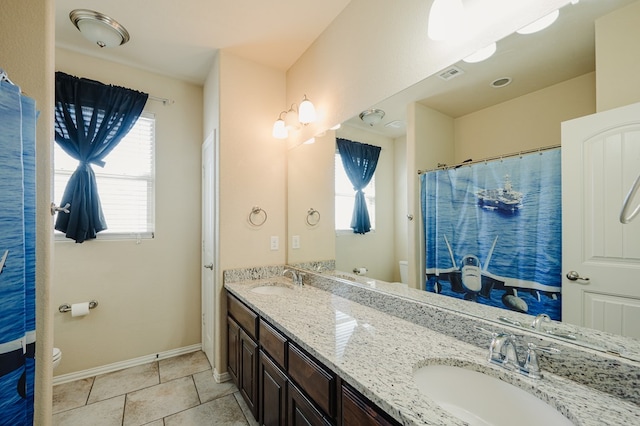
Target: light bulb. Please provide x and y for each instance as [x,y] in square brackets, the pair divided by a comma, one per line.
[482,54]
[306,111]
[279,129]
[540,24]
[445,20]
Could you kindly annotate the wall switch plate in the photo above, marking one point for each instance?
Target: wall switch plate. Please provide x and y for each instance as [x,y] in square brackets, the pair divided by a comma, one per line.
[295,242]
[275,242]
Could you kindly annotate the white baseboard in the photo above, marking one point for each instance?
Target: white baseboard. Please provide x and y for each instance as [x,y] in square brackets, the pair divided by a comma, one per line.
[109,368]
[221,377]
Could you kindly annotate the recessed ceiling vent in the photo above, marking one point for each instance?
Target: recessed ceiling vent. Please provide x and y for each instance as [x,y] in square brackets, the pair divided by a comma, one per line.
[501,82]
[450,73]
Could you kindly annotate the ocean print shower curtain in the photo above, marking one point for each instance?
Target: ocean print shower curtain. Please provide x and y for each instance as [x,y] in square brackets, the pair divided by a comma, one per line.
[492,232]
[17,255]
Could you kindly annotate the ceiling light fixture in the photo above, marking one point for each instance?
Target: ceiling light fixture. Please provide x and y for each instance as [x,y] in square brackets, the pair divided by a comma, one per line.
[372,116]
[540,24]
[482,54]
[303,114]
[500,82]
[445,20]
[99,28]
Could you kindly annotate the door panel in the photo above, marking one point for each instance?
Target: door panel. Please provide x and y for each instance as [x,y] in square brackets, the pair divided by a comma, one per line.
[208,239]
[600,162]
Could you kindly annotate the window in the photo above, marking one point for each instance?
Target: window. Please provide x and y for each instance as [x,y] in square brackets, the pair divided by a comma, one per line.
[125,184]
[346,197]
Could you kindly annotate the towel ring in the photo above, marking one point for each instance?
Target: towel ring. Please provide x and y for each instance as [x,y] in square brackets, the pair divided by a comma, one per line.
[625,216]
[313,217]
[257,211]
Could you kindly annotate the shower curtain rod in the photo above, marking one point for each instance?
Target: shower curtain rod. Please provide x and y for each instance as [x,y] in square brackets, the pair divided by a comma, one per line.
[484,160]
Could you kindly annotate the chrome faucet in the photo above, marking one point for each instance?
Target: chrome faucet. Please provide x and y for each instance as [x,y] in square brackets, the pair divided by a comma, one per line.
[538,320]
[503,351]
[296,277]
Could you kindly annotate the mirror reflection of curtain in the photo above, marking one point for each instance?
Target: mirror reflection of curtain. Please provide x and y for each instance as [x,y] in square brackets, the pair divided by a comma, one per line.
[17,255]
[359,161]
[91,118]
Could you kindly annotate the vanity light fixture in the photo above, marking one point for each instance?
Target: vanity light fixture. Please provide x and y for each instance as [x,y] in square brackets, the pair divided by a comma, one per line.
[445,20]
[372,116]
[482,54]
[540,24]
[296,115]
[99,28]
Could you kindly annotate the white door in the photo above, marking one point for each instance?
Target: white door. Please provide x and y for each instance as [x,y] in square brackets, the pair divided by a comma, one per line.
[600,255]
[208,243]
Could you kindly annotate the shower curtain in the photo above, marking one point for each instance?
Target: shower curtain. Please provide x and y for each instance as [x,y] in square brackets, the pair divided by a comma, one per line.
[17,255]
[492,232]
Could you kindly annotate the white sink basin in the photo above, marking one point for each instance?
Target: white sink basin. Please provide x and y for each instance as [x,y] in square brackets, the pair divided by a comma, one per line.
[271,289]
[481,400]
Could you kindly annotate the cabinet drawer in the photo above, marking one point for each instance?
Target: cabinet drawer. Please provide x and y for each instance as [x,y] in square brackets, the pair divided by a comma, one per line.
[316,380]
[273,343]
[359,411]
[247,319]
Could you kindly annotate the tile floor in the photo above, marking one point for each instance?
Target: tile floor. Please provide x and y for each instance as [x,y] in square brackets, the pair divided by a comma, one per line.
[170,392]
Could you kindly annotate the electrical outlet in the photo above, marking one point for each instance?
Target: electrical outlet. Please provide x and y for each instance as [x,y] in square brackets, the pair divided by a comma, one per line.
[275,242]
[295,242]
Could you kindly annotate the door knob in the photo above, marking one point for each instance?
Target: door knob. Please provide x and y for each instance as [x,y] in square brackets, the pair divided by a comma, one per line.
[209,266]
[574,276]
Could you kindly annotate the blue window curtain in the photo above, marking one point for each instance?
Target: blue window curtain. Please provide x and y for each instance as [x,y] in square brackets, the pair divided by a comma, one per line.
[359,161]
[91,118]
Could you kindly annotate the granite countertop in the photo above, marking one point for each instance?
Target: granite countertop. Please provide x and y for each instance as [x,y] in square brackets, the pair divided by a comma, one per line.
[376,353]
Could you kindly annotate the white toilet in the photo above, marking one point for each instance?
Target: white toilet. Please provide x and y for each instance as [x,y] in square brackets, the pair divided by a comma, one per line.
[404,271]
[57,357]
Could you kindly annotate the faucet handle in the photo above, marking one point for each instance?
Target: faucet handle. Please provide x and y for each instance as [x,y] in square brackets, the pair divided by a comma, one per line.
[530,365]
[538,320]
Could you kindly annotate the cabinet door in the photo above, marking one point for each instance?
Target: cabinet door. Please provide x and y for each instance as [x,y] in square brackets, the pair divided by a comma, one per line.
[272,394]
[233,334]
[358,411]
[300,411]
[248,371]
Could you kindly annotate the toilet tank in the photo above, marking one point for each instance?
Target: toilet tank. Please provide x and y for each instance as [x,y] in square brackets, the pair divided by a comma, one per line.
[404,272]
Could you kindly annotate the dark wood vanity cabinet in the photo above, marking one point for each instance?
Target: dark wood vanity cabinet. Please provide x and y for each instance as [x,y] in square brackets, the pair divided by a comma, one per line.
[359,411]
[242,351]
[285,386]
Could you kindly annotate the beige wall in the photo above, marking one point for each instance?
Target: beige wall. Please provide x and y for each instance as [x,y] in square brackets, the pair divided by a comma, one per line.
[243,98]
[373,250]
[148,293]
[26,54]
[617,58]
[527,122]
[310,177]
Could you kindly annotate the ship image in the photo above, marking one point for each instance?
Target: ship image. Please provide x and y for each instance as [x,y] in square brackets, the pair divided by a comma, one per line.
[504,199]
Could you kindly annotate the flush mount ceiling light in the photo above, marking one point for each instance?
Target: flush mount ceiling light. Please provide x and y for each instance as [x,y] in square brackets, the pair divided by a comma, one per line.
[482,54]
[99,28]
[540,24]
[296,115]
[372,116]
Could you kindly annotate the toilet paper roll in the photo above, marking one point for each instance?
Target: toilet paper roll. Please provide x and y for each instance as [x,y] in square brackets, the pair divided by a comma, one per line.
[80,309]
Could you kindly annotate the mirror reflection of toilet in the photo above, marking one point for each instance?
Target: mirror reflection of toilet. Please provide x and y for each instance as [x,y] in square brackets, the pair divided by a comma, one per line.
[57,357]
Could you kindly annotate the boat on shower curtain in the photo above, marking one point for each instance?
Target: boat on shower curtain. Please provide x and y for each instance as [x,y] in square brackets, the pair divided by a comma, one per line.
[17,255]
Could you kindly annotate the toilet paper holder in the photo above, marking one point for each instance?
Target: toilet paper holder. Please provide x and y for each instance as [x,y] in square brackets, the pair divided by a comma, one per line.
[66,307]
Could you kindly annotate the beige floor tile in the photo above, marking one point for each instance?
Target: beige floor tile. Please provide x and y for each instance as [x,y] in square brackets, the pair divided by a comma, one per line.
[159,422]
[245,409]
[208,389]
[147,405]
[183,365]
[103,413]
[223,411]
[71,395]
[123,381]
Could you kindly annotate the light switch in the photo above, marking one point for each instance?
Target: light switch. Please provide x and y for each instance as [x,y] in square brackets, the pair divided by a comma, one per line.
[295,242]
[275,242]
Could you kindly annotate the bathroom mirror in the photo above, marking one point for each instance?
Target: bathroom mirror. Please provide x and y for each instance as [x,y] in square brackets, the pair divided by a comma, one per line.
[563,52]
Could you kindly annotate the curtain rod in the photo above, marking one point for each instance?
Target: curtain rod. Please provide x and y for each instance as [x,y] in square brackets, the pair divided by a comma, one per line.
[164,101]
[500,157]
